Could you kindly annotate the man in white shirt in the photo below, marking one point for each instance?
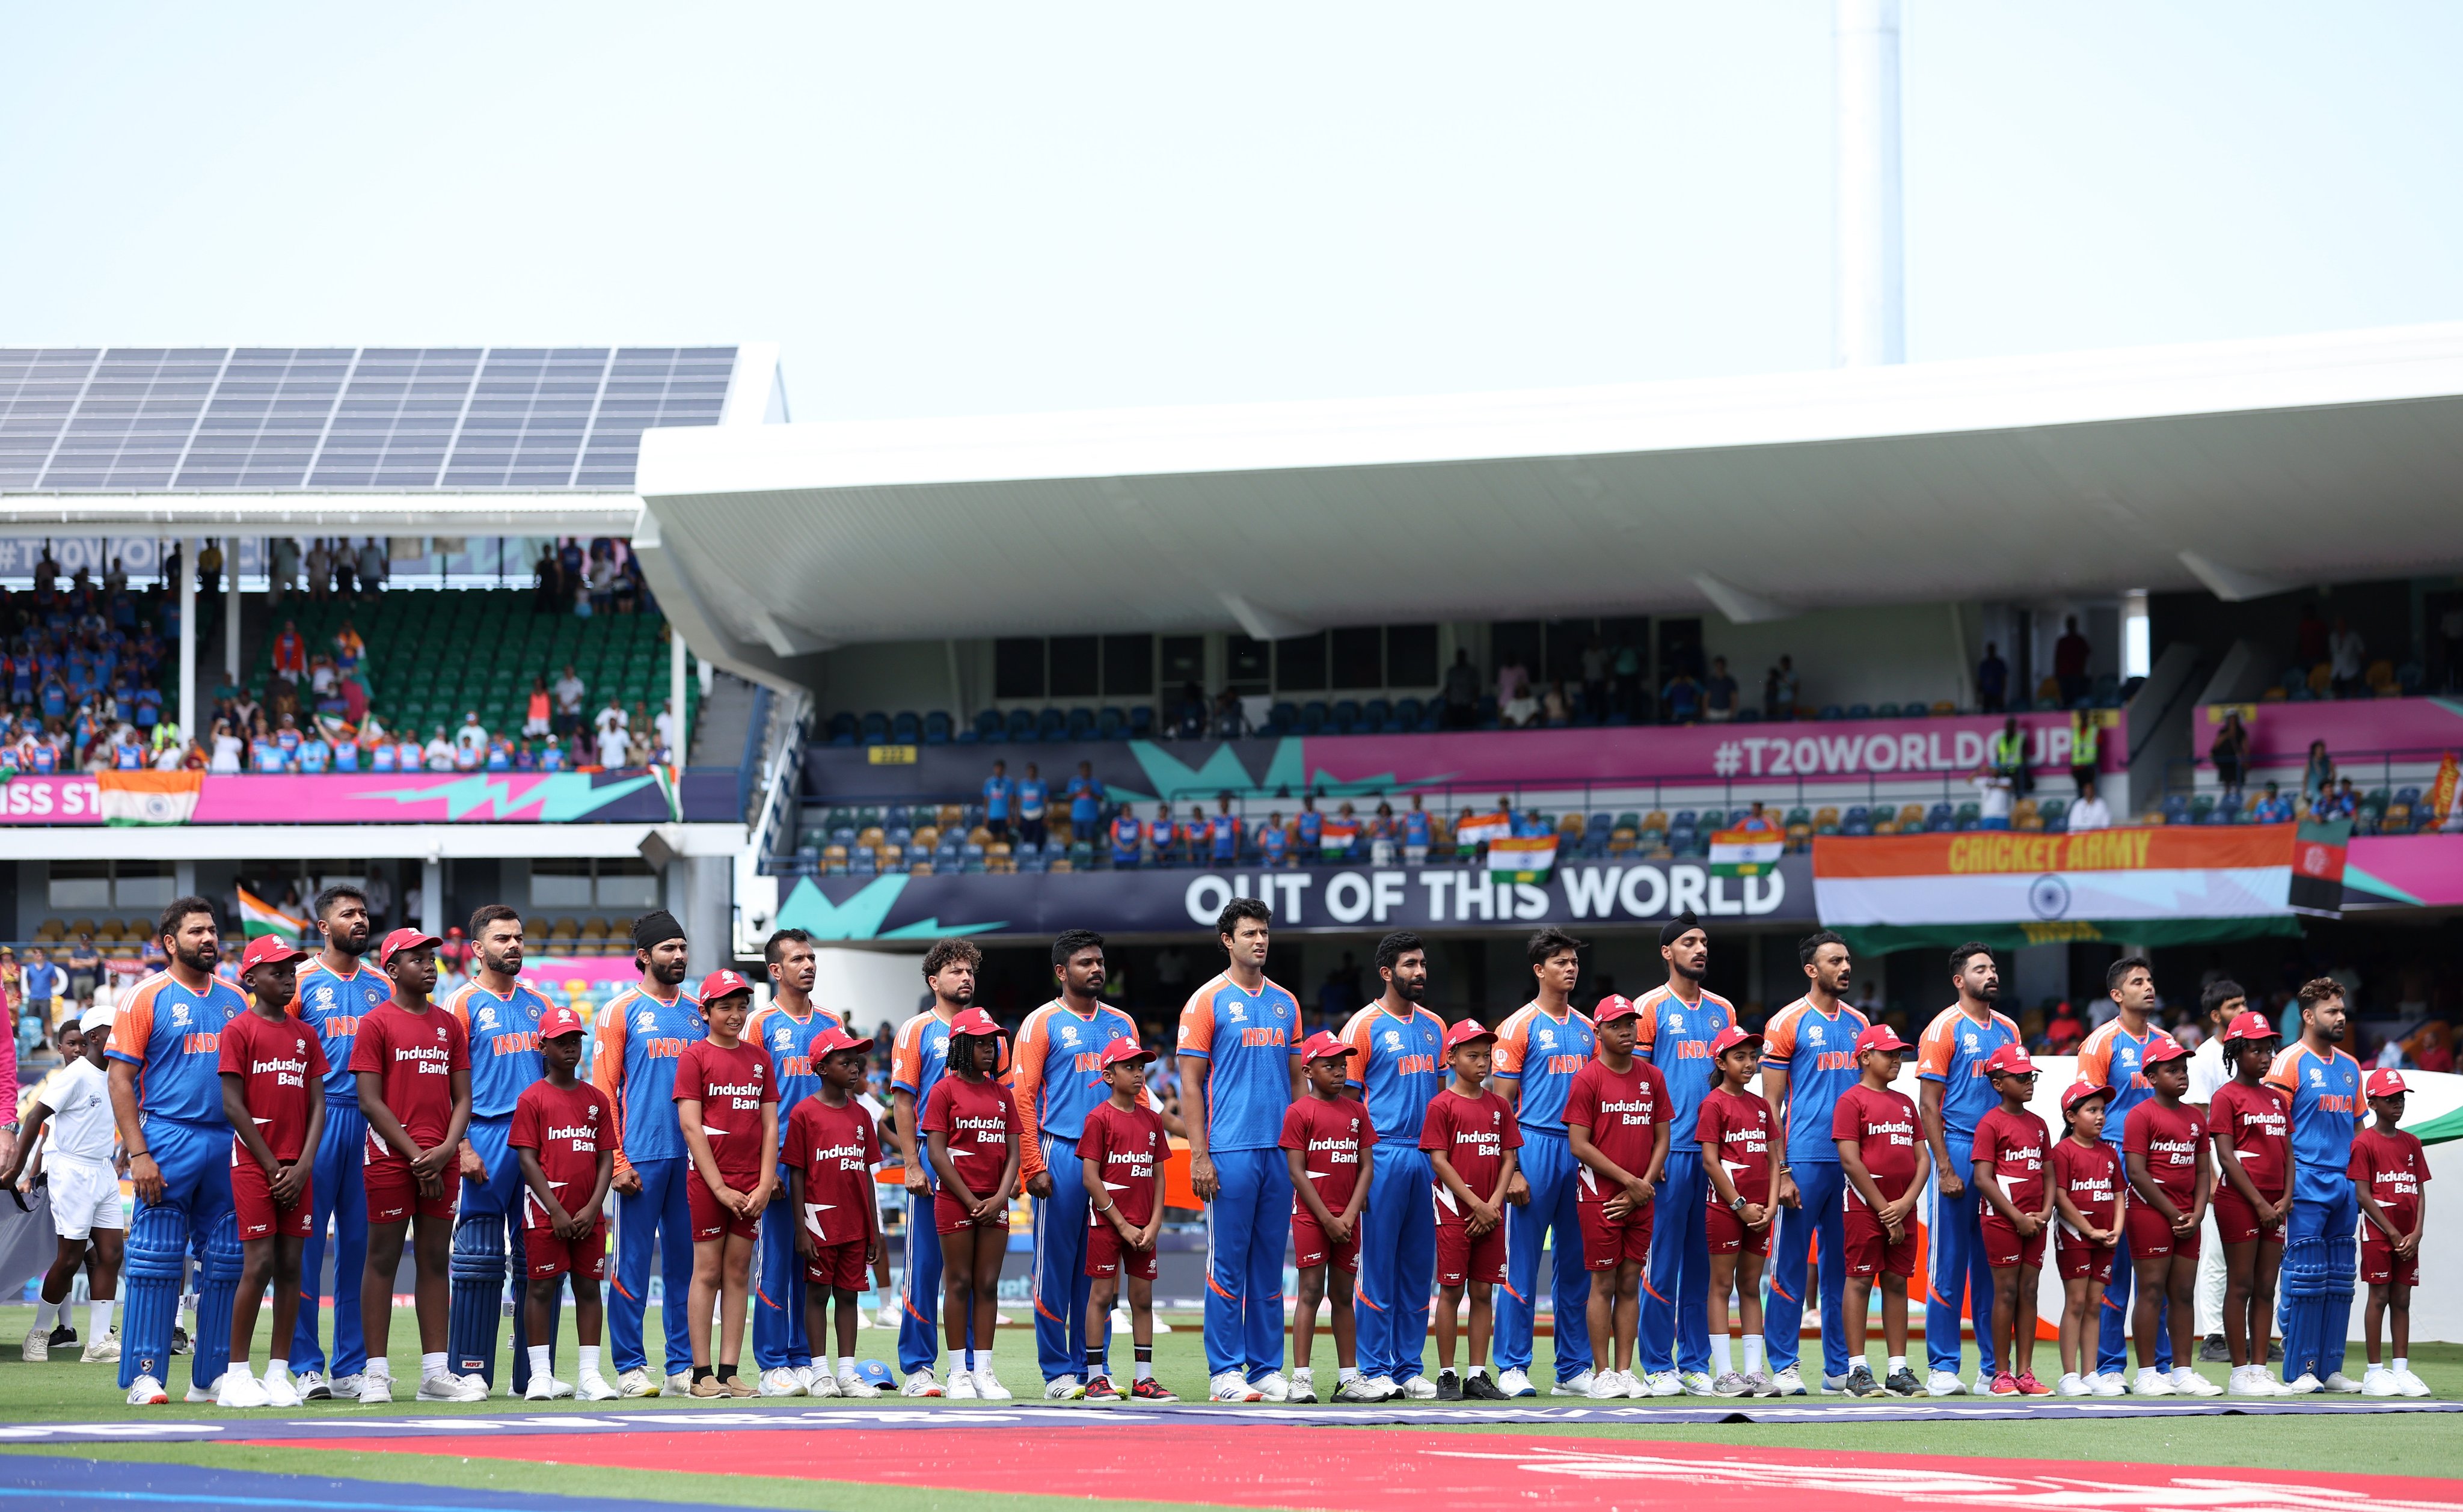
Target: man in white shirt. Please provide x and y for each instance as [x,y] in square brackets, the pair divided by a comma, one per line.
[2222,998]
[568,690]
[665,724]
[439,751]
[614,732]
[469,742]
[76,1103]
[2089,811]
[372,566]
[2344,651]
[1993,803]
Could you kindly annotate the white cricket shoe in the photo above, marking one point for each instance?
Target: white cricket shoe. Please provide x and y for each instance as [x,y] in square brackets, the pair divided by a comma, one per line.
[148,1391]
[1790,1382]
[989,1387]
[2379,1381]
[850,1384]
[1231,1386]
[1578,1385]
[313,1387]
[635,1383]
[1063,1389]
[1945,1383]
[1606,1386]
[819,1383]
[2305,1385]
[102,1352]
[2111,1383]
[1516,1383]
[1365,1389]
[2412,1385]
[889,1317]
[780,1382]
[1699,1383]
[347,1387]
[2188,1382]
[2338,1381]
[2151,1382]
[544,1388]
[1637,1386]
[37,1347]
[962,1387]
[199,1396]
[920,1383]
[1303,1386]
[239,1388]
[593,1386]
[281,1390]
[376,1389]
[2072,1384]
[2251,1381]
[1666,1383]
[680,1383]
[1273,1387]
[1414,1387]
[446,1387]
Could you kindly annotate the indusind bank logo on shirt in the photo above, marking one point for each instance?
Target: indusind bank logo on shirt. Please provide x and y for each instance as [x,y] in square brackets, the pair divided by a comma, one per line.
[585,1139]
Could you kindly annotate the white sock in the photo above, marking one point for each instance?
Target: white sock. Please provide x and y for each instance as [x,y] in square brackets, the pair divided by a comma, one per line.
[1722,1359]
[1753,1352]
[1479,1370]
[276,1369]
[826,1363]
[97,1319]
[379,1367]
[967,1360]
[1144,1371]
[589,1359]
[239,1368]
[2402,1363]
[539,1360]
[1898,1362]
[1346,1373]
[44,1312]
[433,1364]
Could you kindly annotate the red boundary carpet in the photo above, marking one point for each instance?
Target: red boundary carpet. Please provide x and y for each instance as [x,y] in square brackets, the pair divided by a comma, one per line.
[1339,1468]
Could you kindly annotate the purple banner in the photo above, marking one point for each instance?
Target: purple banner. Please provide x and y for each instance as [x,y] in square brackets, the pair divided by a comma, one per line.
[2281,732]
[634,797]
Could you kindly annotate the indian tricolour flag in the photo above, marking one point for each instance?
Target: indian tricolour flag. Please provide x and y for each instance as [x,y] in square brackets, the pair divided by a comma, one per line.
[1484,828]
[149,797]
[1522,858]
[261,918]
[1746,852]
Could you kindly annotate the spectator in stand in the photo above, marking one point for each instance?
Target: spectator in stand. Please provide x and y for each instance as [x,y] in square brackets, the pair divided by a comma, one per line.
[1163,837]
[286,739]
[227,751]
[1418,831]
[2230,753]
[1756,822]
[1719,693]
[640,739]
[439,751]
[2433,1047]
[209,568]
[602,582]
[1000,797]
[469,742]
[2065,1033]
[1682,698]
[663,725]
[2309,637]
[2070,656]
[1033,803]
[1274,840]
[1513,681]
[2087,743]
[1555,710]
[547,591]
[1779,690]
[85,968]
[2317,774]
[315,754]
[2087,811]
[1462,692]
[409,755]
[320,569]
[2339,803]
[373,567]
[1224,832]
[43,983]
[1085,793]
[1994,791]
[1595,676]
[284,572]
[1127,834]
[539,719]
[552,756]
[2345,654]
[613,729]
[289,651]
[347,566]
[2272,809]
[1992,680]
[569,690]
[349,649]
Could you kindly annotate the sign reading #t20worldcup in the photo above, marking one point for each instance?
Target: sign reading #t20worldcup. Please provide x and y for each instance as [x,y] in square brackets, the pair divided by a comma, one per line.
[142,798]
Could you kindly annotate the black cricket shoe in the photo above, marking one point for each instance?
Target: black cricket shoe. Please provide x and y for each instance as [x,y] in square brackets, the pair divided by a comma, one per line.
[1861,1383]
[1904,1382]
[1450,1386]
[1479,1388]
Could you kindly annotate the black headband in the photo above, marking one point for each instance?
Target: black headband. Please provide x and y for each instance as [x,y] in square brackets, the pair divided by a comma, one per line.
[656,929]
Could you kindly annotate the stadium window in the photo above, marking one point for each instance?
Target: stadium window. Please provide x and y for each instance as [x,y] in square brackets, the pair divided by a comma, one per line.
[1358,656]
[556,883]
[1017,668]
[80,884]
[1523,640]
[1680,645]
[1246,660]
[1184,660]
[626,883]
[139,884]
[1128,666]
[1566,639]
[1412,656]
[1300,665]
[1074,672]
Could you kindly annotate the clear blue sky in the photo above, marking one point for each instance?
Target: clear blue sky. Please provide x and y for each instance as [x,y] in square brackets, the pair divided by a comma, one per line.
[974,208]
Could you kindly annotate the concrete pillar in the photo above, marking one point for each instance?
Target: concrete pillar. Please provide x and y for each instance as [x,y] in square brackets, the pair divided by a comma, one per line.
[709,912]
[676,697]
[230,609]
[188,639]
[1871,256]
[183,879]
[431,897]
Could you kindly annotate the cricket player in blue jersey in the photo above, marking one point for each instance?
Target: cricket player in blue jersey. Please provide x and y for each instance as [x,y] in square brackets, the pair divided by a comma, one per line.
[1674,1024]
[919,1058]
[1058,1062]
[1808,1061]
[787,1030]
[1952,1093]
[1398,1064]
[1540,1047]
[2322,1256]
[642,1034]
[501,1017]
[166,1097]
[335,989]
[2115,1056]
[1239,1072]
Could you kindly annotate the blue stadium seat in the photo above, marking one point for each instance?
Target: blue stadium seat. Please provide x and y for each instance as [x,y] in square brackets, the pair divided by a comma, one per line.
[1748,714]
[973,856]
[1112,724]
[876,728]
[1860,711]
[861,863]
[936,727]
[907,728]
[1021,725]
[2055,813]
[1081,723]
[1886,711]
[1052,725]
[843,728]
[1346,716]
[1373,716]
[1315,718]
[1142,722]
[1405,716]
[1832,711]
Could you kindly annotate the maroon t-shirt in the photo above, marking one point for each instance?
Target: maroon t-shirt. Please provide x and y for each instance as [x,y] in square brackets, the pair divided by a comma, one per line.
[731,1084]
[1126,1146]
[2261,1125]
[2089,1176]
[1883,1123]
[2395,1167]
[2018,1144]
[1735,1129]
[567,1127]
[2168,1138]
[1623,1109]
[414,1055]
[977,1117]
[1330,1135]
[1472,1134]
[279,1057]
[836,1148]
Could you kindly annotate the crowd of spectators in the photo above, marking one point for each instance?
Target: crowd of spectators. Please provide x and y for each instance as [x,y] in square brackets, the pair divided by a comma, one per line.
[82,663]
[602,577]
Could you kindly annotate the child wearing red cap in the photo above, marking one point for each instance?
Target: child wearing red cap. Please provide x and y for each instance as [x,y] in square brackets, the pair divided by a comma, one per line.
[1328,1143]
[2088,1201]
[726,1105]
[1733,1129]
[1617,1113]
[1122,1151]
[1470,1135]
[563,1139]
[2250,1125]
[412,1060]
[2008,1157]
[2390,1172]
[832,1146]
[272,1069]
[970,1127]
[2173,1176]
[1885,1163]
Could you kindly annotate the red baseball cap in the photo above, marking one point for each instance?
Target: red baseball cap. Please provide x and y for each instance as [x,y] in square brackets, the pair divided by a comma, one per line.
[973,1021]
[1324,1043]
[1615,1005]
[2009,1060]
[267,950]
[1125,1049]
[2386,1083]
[2080,1092]
[1468,1030]
[399,940]
[557,1022]
[1879,1037]
[833,1039]
[1734,1035]
[2249,1026]
[2164,1050]
[721,984]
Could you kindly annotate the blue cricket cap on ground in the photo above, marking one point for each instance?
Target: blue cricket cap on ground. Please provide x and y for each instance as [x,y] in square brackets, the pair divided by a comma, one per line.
[874,1371]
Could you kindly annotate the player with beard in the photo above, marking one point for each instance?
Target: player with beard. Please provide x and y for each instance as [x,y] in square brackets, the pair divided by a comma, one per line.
[643,1032]
[501,1017]
[1399,1067]
[1676,1024]
[1808,1064]
[918,1059]
[337,989]
[2320,1244]
[2115,1057]
[1953,1095]
[787,1030]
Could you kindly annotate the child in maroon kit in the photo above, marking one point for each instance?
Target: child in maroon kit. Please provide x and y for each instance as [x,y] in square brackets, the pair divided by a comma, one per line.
[1617,1113]
[2250,1125]
[1125,1150]
[564,1138]
[2171,1174]
[727,1103]
[1885,1165]
[970,1127]
[1470,1134]
[2007,1158]
[832,1146]
[1327,1141]
[2088,1201]
[274,1095]
[1733,1128]
[2391,1172]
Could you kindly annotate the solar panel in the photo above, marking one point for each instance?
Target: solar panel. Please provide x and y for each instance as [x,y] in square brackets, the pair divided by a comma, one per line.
[273,419]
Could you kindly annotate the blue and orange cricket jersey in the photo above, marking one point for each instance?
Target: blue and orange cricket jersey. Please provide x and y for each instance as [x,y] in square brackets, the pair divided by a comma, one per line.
[1675,1036]
[1251,1038]
[1951,1051]
[333,1002]
[1542,1056]
[1818,1051]
[503,1032]
[790,1043]
[1401,1066]
[2326,1108]
[1059,1074]
[633,1060]
[173,1037]
[2114,1057]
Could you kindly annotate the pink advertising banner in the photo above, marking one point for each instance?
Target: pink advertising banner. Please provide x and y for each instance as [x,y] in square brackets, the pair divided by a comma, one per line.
[367,798]
[2283,731]
[2403,871]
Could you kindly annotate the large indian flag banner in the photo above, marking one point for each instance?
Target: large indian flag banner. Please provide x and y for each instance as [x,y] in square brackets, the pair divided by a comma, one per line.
[1523,858]
[2152,886]
[149,797]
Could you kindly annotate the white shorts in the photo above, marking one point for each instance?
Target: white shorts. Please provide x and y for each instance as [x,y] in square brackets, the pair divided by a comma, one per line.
[85,1194]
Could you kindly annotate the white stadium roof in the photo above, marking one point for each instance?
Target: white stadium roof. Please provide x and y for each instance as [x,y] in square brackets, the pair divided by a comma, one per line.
[2249,466]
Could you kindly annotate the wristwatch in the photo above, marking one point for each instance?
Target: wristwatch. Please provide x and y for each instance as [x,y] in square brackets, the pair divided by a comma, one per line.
[1738,1205]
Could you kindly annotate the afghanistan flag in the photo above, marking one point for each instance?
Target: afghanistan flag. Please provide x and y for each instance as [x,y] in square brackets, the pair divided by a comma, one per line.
[2318,869]
[1522,858]
[149,797]
[1746,852]
[261,918]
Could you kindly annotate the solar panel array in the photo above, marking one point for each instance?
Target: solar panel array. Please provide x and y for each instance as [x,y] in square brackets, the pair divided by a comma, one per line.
[384,419]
